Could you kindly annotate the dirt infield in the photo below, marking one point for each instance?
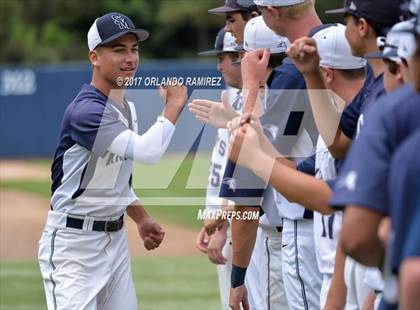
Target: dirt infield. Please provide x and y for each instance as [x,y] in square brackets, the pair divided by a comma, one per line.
[21,170]
[22,218]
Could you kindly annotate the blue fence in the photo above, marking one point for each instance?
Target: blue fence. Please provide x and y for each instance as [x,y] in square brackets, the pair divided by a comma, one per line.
[33,100]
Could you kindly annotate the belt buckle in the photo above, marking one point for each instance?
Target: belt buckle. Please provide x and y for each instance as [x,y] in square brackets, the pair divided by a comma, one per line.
[109,226]
[112,226]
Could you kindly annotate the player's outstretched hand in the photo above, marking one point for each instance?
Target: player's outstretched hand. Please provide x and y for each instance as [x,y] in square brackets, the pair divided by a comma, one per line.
[253,67]
[216,244]
[305,55]
[217,114]
[202,240]
[239,296]
[151,233]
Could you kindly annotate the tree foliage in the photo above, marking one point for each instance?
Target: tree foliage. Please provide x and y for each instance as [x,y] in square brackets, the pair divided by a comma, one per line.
[49,31]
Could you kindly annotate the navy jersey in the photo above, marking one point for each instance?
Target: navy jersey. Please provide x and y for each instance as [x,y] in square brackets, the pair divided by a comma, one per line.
[352,118]
[364,175]
[86,178]
[404,201]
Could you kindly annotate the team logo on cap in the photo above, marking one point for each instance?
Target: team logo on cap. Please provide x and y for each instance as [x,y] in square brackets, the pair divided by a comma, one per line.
[352,6]
[282,45]
[120,21]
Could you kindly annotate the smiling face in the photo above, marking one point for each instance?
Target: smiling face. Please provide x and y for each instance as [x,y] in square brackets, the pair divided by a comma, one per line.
[119,58]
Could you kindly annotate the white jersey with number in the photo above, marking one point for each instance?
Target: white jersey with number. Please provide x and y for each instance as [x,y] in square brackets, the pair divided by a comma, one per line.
[219,155]
[327,228]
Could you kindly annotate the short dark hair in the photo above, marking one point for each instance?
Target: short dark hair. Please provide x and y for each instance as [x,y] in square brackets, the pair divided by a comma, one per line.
[380,29]
[247,14]
[276,60]
[391,65]
[352,74]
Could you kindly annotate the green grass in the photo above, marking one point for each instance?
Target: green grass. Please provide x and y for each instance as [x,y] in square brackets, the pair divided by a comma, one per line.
[41,188]
[162,283]
[173,178]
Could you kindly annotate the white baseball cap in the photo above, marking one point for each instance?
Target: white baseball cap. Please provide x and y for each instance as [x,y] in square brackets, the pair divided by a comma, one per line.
[406,41]
[399,42]
[225,42]
[334,50]
[229,43]
[414,6]
[257,35]
[277,2]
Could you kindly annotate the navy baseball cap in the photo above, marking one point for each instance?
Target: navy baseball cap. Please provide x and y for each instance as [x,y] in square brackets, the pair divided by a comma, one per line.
[225,42]
[234,6]
[218,45]
[111,26]
[386,12]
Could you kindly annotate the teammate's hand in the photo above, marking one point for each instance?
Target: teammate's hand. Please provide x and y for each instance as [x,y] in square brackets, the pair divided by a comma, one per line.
[202,240]
[216,244]
[211,226]
[245,146]
[238,296]
[305,55]
[214,113]
[253,67]
[151,233]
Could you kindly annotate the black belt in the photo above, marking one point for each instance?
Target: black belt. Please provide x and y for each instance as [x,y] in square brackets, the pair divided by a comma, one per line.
[107,226]
[308,214]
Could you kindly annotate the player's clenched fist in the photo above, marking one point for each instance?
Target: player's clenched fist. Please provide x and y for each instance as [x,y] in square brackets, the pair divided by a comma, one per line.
[305,55]
[175,97]
[253,67]
[151,233]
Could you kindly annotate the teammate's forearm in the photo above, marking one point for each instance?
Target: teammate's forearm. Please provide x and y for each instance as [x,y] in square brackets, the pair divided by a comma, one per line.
[363,244]
[243,238]
[336,297]
[326,106]
[251,93]
[296,186]
[136,212]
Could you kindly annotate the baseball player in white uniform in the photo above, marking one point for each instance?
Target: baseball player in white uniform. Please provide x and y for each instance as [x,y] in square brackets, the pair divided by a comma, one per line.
[83,252]
[264,275]
[219,245]
[335,55]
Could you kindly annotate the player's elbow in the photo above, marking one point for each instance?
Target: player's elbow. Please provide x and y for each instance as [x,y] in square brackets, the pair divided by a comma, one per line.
[318,203]
[340,146]
[151,157]
[355,245]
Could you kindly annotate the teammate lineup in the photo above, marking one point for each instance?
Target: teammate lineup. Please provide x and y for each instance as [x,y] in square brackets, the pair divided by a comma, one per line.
[318,132]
